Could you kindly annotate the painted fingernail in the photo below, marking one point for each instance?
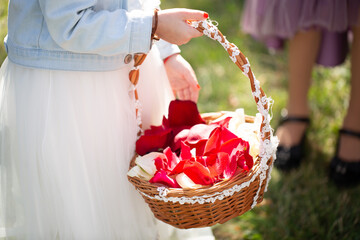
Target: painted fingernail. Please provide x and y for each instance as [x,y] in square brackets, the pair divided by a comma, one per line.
[206,15]
[198,86]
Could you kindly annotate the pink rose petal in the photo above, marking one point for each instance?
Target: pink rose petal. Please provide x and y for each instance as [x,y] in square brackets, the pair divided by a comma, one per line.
[161,178]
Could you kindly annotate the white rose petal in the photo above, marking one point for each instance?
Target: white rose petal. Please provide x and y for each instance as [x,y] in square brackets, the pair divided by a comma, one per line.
[185,182]
[193,152]
[136,171]
[147,162]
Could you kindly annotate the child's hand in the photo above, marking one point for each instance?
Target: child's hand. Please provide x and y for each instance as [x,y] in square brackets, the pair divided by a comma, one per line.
[172,25]
[182,78]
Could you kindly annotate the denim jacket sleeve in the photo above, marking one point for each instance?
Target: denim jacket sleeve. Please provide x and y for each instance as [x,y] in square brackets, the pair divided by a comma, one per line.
[166,49]
[77,27]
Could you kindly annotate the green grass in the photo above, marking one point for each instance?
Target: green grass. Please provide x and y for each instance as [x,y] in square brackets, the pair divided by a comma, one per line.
[3,28]
[299,205]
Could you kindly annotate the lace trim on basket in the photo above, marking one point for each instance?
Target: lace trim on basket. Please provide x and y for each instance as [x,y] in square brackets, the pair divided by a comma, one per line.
[267,147]
[163,191]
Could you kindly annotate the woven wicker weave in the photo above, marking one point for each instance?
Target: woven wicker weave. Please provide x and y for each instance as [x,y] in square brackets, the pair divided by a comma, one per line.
[206,206]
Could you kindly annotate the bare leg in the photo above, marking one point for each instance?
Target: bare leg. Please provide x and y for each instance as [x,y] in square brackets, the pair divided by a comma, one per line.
[350,146]
[303,50]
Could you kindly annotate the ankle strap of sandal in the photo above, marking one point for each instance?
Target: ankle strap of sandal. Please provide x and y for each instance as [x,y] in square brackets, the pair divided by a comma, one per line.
[349,132]
[294,119]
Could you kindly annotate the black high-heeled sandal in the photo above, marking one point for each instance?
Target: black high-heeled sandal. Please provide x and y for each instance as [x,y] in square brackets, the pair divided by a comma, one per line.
[344,174]
[288,158]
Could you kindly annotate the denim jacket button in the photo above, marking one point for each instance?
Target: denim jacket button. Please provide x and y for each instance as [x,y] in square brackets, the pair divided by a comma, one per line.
[128,58]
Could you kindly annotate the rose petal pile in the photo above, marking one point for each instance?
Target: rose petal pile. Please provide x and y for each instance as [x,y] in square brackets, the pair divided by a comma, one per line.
[185,152]
[182,115]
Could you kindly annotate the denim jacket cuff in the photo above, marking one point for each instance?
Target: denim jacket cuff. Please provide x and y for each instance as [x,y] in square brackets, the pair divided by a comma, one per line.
[140,35]
[166,49]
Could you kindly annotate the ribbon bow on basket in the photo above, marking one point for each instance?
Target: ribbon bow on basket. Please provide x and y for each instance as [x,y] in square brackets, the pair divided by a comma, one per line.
[224,200]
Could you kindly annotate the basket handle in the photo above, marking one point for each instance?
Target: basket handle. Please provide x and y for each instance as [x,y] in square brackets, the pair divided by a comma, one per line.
[209,29]
[139,58]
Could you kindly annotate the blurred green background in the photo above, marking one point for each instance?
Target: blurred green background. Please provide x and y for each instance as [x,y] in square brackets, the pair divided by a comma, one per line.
[302,204]
[3,27]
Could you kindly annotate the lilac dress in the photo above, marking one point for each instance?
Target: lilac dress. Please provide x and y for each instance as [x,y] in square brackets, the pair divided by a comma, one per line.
[273,21]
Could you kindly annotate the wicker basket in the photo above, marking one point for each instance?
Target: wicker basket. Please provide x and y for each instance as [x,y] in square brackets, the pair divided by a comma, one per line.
[206,206]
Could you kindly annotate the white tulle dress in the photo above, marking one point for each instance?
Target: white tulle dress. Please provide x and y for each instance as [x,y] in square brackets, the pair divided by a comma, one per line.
[66,139]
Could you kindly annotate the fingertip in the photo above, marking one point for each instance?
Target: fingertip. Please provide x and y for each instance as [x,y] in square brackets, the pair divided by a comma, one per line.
[196,15]
[195,87]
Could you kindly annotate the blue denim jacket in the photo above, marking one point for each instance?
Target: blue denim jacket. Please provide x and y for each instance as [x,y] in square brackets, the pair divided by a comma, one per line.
[83,35]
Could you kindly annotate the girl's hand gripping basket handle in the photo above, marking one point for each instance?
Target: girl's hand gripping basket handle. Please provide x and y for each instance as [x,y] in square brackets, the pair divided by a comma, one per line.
[207,28]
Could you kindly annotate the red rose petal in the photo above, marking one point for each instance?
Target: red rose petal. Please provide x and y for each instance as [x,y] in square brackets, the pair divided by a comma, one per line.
[230,168]
[152,142]
[239,149]
[172,159]
[165,122]
[224,122]
[156,130]
[207,160]
[216,163]
[219,136]
[226,135]
[213,143]
[249,160]
[232,144]
[245,161]
[179,168]
[184,113]
[185,151]
[223,160]
[160,163]
[199,146]
[198,173]
[162,178]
